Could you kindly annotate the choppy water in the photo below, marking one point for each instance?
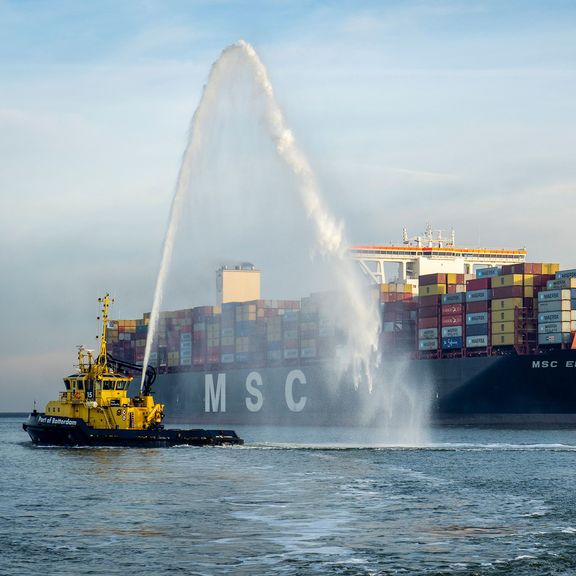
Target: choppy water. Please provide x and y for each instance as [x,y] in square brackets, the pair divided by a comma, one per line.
[292,502]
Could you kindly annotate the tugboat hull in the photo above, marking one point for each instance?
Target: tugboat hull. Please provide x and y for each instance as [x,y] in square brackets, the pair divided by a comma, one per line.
[58,431]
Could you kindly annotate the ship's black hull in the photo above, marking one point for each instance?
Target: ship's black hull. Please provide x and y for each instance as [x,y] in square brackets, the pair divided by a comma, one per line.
[504,390]
[58,431]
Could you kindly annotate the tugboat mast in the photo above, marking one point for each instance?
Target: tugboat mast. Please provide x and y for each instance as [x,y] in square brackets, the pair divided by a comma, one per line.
[103,356]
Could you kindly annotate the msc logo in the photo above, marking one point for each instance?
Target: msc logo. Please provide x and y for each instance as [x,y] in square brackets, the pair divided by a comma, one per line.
[215,393]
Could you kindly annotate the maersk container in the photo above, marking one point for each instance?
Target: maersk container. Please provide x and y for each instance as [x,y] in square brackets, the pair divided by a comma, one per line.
[551,327]
[489,272]
[452,332]
[456,298]
[477,329]
[451,343]
[477,318]
[554,306]
[566,273]
[557,338]
[428,344]
[560,316]
[561,283]
[548,295]
[477,341]
[427,333]
[478,295]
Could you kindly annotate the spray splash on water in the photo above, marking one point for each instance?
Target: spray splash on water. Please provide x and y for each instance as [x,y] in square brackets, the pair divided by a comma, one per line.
[358,314]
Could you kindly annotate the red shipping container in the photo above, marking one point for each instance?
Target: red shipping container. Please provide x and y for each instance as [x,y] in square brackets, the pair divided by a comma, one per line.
[448,309]
[427,279]
[428,300]
[482,306]
[428,312]
[428,323]
[478,284]
[508,292]
[453,320]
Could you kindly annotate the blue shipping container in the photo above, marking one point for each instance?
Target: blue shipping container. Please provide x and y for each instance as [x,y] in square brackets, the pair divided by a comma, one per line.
[477,329]
[478,295]
[456,298]
[451,343]
[477,318]
[488,272]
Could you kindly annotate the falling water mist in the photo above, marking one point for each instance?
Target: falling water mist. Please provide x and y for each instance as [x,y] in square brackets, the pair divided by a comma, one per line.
[404,407]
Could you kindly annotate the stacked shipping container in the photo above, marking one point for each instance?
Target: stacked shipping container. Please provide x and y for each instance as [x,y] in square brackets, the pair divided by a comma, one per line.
[517,305]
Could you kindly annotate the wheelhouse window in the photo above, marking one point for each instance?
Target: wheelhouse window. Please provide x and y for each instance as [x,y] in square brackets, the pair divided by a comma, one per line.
[80,385]
[67,384]
[120,386]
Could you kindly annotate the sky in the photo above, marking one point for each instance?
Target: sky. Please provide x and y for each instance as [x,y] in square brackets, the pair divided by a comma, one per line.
[456,113]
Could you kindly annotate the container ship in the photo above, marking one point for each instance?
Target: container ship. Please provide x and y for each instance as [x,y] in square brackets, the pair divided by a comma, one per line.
[485,336]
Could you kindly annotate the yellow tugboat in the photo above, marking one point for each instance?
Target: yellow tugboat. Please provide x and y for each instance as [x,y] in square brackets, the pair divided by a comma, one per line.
[95,409]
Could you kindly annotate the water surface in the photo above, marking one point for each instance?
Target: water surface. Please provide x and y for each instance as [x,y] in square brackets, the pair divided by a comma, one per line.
[293,501]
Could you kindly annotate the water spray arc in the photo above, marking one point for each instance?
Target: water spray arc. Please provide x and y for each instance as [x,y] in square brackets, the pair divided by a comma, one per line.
[359,315]
[329,232]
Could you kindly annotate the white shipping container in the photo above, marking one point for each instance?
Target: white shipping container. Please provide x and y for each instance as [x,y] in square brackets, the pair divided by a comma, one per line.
[428,344]
[551,327]
[427,333]
[452,332]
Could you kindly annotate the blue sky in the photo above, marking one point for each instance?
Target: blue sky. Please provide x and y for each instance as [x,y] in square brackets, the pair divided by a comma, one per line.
[458,113]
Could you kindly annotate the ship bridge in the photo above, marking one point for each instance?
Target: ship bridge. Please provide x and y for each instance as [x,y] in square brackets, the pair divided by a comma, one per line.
[429,254]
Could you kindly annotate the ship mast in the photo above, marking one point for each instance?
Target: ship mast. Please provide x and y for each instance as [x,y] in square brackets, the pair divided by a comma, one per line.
[103,356]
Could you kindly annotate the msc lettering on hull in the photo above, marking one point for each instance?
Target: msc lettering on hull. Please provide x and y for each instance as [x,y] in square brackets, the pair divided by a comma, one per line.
[553,364]
[215,393]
